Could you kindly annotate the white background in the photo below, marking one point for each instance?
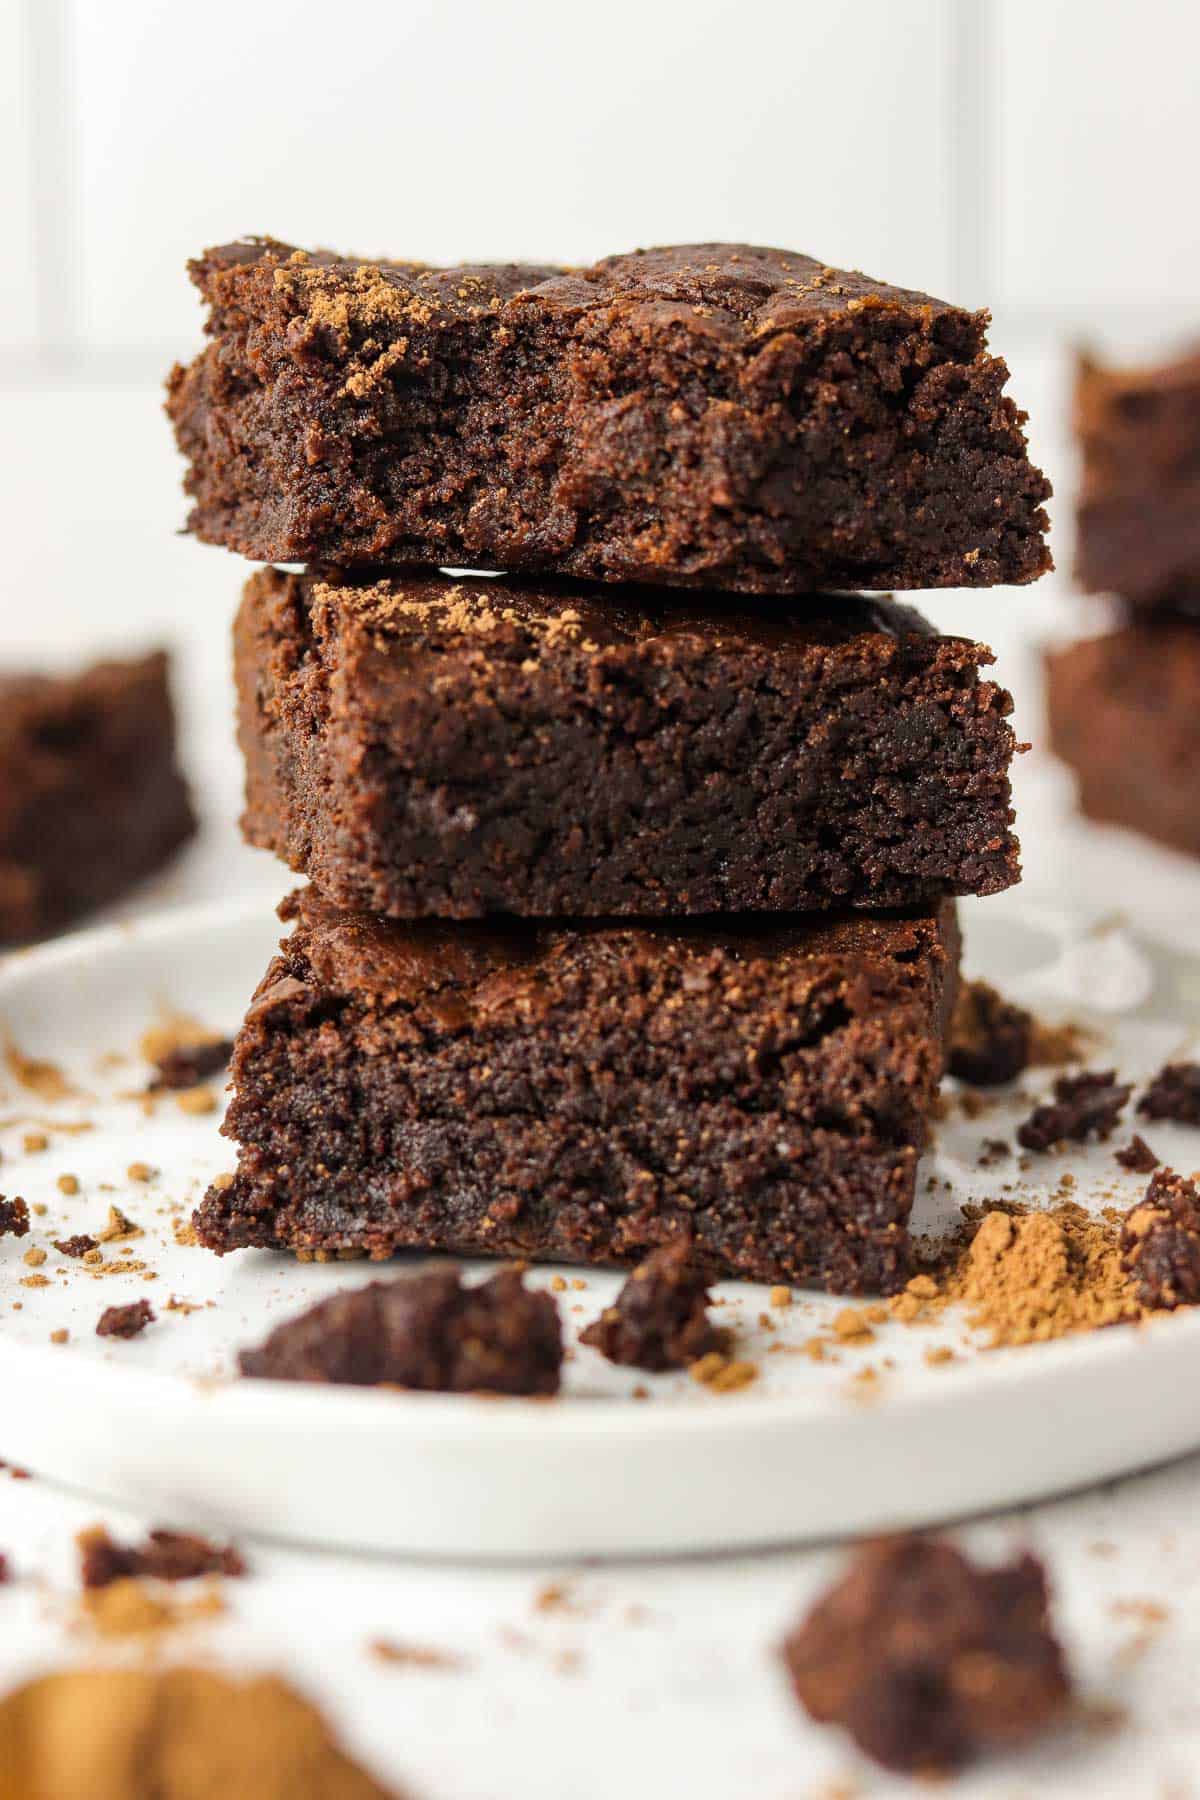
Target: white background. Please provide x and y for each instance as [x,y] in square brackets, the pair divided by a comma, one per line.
[1030,154]
[1037,156]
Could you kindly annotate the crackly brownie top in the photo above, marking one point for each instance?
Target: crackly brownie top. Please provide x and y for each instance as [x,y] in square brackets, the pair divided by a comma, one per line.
[426,608]
[732,291]
[451,976]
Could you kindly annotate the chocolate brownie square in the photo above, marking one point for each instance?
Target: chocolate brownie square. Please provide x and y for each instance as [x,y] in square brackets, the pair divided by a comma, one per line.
[1138,514]
[758,1088]
[91,797]
[712,415]
[421,746]
[1123,711]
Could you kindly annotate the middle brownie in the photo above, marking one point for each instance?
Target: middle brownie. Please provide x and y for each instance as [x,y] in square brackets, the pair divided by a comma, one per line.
[422,746]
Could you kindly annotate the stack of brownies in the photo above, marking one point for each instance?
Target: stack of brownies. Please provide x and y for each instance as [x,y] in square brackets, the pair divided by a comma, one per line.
[1124,708]
[632,869]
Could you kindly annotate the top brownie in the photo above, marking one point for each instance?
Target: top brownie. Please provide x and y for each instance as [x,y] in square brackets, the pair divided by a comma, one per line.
[1139,499]
[710,415]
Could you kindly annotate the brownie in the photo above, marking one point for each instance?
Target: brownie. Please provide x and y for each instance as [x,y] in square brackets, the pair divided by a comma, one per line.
[710,415]
[91,797]
[1123,711]
[990,1038]
[1160,1243]
[928,1660]
[1084,1106]
[125,1321]
[659,1320]
[185,1066]
[14,1217]
[422,746]
[432,1332]
[759,1088]
[1173,1094]
[1138,512]
[165,1556]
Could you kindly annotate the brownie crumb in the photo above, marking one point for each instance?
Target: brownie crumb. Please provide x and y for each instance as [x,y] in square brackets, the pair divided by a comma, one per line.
[125,1321]
[1137,1156]
[14,1217]
[416,1656]
[989,1037]
[187,1065]
[1173,1094]
[1160,1242]
[1084,1106]
[928,1660]
[165,1556]
[75,1246]
[658,1320]
[427,1331]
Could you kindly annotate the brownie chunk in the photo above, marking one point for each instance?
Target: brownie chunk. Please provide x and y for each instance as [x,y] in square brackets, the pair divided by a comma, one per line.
[1124,713]
[1160,1242]
[989,1037]
[1173,1094]
[426,1331]
[186,1065]
[166,1556]
[710,415]
[125,1321]
[77,1246]
[1138,513]
[660,1319]
[759,1088]
[91,797]
[421,746]
[1084,1106]
[928,1660]
[1137,1156]
[14,1217]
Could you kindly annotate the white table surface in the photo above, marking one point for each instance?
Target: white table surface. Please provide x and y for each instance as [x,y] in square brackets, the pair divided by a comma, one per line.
[659,1679]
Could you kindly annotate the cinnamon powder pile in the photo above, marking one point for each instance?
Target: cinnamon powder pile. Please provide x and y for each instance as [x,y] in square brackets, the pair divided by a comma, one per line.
[1026,1277]
[179,1734]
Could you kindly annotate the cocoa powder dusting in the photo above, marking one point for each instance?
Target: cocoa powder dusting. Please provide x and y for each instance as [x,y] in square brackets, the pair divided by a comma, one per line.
[1026,1277]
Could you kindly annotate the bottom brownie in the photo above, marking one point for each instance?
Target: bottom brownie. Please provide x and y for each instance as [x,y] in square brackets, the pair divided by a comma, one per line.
[91,797]
[1124,712]
[759,1088]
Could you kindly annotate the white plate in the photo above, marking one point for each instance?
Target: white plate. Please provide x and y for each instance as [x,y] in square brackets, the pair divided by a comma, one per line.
[808,1451]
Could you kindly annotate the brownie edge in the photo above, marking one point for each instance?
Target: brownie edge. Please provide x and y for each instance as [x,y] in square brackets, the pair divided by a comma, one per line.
[1123,712]
[759,1089]
[713,415]
[92,800]
[423,746]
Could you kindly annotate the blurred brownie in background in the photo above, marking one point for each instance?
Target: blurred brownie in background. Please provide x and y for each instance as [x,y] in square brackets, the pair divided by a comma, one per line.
[1123,712]
[91,796]
[1138,516]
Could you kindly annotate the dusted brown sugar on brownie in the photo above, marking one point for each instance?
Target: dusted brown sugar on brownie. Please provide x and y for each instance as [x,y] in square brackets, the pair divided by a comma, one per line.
[1138,513]
[759,1088]
[91,797]
[1123,712]
[712,415]
[421,746]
